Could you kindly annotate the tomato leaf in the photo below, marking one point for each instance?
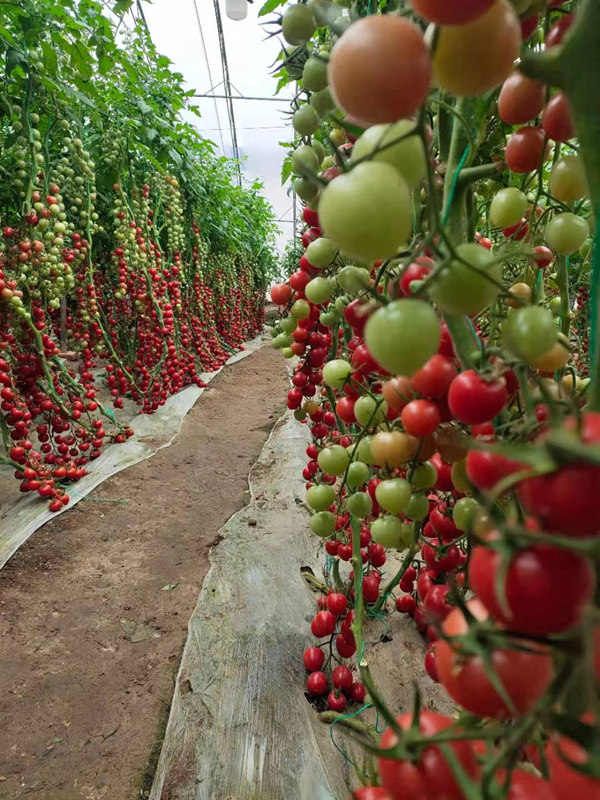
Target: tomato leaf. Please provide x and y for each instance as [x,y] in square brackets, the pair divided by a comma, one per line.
[269,6]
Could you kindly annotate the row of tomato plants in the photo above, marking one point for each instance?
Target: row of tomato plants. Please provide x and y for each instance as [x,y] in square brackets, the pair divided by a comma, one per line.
[129,257]
[443,318]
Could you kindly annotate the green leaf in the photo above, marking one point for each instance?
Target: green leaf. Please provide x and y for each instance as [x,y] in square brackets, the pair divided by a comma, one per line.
[286,170]
[269,6]
[122,6]
[50,58]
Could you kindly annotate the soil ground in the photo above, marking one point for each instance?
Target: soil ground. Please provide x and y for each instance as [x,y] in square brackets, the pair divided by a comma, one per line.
[94,607]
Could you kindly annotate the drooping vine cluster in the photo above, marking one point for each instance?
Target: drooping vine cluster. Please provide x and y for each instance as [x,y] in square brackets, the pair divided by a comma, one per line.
[129,256]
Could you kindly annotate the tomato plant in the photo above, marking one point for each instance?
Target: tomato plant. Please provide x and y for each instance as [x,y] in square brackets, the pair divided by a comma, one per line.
[449,378]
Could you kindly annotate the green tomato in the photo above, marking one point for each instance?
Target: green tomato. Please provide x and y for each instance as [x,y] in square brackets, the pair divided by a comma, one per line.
[467,290]
[463,512]
[318,291]
[336,373]
[288,324]
[367,211]
[321,252]
[322,102]
[359,504]
[333,460]
[319,150]
[424,476]
[407,156]
[409,536]
[298,24]
[566,232]
[282,340]
[320,497]
[300,414]
[586,248]
[417,508]
[323,524]
[529,332]
[305,161]
[314,74]
[328,318]
[287,352]
[403,335]
[363,450]
[300,309]
[508,207]
[353,279]
[393,495]
[388,531]
[358,474]
[306,190]
[368,412]
[568,181]
[305,120]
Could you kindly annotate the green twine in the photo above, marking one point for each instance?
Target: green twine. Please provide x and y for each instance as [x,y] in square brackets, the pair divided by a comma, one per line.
[461,164]
[339,719]
[594,300]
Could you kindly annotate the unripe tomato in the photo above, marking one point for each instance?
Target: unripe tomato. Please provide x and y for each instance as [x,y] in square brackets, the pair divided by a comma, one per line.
[398,77]
[367,212]
[472,59]
[451,12]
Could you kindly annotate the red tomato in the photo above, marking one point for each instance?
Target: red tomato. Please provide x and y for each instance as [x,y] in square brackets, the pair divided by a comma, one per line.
[336,702]
[521,99]
[525,149]
[525,786]
[528,26]
[566,500]
[280,293]
[557,121]
[434,378]
[436,604]
[430,776]
[473,399]
[337,603]
[451,12]
[486,469]
[546,589]
[342,677]
[357,314]
[314,658]
[431,664]
[310,217]
[416,271]
[399,75]
[317,683]
[420,417]
[345,409]
[524,675]
[371,793]
[558,31]
[567,782]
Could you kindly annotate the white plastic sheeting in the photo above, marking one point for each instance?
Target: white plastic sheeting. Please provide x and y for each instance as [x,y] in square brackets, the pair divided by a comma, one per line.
[152,433]
[240,726]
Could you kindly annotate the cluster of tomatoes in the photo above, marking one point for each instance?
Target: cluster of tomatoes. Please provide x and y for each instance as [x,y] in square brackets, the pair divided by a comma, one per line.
[438,318]
[154,321]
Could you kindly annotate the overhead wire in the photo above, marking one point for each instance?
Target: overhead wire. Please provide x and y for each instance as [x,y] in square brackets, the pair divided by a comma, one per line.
[209,73]
[227,82]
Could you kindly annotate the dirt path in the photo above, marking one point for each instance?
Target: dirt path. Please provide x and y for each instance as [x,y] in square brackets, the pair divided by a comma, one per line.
[94,608]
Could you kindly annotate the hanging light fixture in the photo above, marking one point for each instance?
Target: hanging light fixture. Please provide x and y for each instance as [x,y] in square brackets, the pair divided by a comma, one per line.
[236,9]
